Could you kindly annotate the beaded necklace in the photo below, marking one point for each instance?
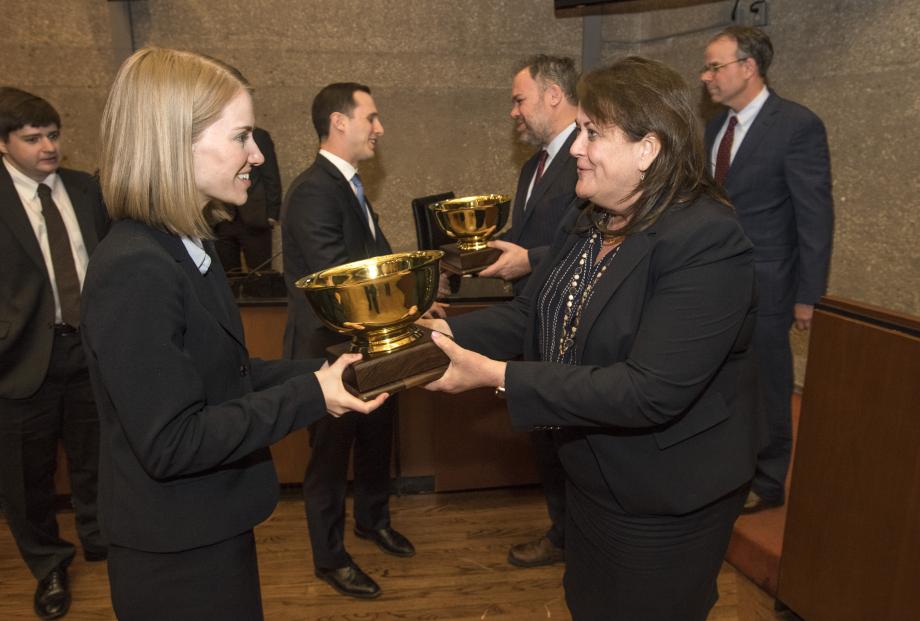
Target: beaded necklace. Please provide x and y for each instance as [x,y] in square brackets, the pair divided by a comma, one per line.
[587,273]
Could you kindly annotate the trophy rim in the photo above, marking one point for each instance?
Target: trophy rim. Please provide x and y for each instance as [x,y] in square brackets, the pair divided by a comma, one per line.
[312,282]
[467,202]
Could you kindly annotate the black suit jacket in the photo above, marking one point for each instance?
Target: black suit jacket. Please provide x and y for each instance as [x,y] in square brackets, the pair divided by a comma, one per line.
[658,411]
[184,459]
[264,200]
[780,185]
[534,227]
[26,296]
[323,226]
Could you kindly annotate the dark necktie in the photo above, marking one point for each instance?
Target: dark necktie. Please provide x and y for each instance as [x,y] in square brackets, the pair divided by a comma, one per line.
[540,164]
[359,191]
[65,271]
[724,155]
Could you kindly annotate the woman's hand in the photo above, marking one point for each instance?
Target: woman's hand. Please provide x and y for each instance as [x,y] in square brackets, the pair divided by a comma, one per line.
[467,369]
[339,400]
[438,325]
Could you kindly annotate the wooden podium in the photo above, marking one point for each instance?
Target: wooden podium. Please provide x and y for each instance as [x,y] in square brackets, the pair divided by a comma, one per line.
[852,542]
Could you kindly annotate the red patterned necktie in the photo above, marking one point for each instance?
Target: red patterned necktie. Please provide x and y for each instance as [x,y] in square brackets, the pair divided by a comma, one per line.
[540,164]
[724,156]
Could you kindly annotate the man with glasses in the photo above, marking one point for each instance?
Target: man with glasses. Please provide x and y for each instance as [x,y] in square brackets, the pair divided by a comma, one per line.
[771,157]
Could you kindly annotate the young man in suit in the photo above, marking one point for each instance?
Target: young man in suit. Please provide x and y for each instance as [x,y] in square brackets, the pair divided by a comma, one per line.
[544,105]
[771,156]
[51,219]
[328,221]
[250,230]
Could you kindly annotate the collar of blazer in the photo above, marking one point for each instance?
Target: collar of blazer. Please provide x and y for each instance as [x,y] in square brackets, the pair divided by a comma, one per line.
[562,159]
[13,213]
[752,138]
[205,284]
[347,190]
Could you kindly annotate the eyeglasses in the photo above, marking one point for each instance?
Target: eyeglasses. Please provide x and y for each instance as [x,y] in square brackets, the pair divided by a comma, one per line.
[714,69]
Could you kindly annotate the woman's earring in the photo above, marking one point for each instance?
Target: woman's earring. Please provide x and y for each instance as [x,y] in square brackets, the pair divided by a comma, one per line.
[641,175]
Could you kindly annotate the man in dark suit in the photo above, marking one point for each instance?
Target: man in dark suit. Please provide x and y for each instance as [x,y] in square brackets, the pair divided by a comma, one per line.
[250,230]
[328,221]
[771,156]
[50,221]
[543,107]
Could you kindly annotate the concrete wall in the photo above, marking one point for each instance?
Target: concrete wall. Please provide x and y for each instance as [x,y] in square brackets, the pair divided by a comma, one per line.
[441,71]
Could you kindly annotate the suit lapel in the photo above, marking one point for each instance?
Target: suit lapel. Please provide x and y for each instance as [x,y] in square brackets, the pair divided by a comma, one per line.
[13,213]
[759,129]
[345,186]
[560,161]
[634,248]
[83,209]
[527,171]
[207,287]
[712,129]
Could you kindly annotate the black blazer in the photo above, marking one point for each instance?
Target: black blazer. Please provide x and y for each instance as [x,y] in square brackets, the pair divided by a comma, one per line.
[658,412]
[26,297]
[780,185]
[184,459]
[264,200]
[534,227]
[323,226]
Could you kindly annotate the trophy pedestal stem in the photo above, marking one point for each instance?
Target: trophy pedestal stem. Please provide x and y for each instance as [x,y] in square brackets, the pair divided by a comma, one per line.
[415,365]
[467,261]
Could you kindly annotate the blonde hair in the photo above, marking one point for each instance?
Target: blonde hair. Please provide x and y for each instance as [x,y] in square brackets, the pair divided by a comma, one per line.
[160,103]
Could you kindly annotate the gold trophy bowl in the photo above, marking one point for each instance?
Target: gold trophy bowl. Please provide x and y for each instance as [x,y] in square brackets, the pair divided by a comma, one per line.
[376,302]
[472,220]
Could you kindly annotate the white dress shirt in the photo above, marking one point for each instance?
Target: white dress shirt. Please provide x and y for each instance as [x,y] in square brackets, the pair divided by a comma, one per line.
[195,249]
[551,150]
[27,188]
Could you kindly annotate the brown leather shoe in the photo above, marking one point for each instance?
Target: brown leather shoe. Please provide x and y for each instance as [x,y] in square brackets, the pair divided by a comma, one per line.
[52,597]
[350,581]
[755,503]
[535,553]
[389,540]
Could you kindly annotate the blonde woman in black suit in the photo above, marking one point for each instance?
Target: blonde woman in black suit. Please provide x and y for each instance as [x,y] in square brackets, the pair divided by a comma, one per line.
[186,415]
[635,337]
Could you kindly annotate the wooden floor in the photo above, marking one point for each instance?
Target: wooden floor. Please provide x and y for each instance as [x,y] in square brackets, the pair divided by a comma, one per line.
[459,572]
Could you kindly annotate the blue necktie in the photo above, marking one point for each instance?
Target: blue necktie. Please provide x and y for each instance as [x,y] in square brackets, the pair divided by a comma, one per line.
[359,191]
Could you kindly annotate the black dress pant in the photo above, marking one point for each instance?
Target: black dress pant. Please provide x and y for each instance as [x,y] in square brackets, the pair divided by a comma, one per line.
[30,428]
[217,581]
[325,482]
[552,475]
[235,236]
[775,377]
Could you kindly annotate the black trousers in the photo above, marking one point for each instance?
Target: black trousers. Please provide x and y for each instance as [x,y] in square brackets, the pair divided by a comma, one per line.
[234,236]
[218,581]
[552,475]
[30,428]
[775,378]
[622,567]
[326,479]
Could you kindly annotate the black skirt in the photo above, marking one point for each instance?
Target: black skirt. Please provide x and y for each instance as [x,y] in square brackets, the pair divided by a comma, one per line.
[622,567]
[219,581]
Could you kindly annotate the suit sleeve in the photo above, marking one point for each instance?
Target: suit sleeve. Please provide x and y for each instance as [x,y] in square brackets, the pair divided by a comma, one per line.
[808,175]
[315,220]
[701,297]
[136,326]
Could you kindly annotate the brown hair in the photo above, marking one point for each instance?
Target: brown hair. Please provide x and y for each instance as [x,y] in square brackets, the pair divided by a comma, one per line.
[641,97]
[160,103]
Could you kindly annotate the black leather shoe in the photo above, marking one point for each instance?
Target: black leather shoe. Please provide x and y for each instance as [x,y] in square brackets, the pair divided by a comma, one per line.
[388,540]
[756,503]
[350,581]
[52,597]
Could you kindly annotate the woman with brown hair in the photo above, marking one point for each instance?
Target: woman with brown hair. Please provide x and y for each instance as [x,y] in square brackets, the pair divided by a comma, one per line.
[186,416]
[635,337]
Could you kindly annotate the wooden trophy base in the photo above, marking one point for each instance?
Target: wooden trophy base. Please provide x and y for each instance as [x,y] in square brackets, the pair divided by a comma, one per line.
[467,261]
[415,365]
